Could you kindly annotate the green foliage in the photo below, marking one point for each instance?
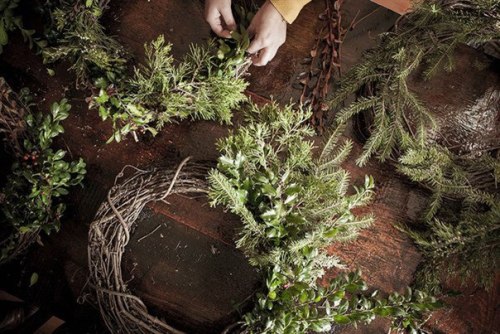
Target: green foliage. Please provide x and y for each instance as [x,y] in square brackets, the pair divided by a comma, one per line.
[451,177]
[203,85]
[287,199]
[39,179]
[10,21]
[425,38]
[78,37]
[465,244]
[462,219]
[292,206]
[295,307]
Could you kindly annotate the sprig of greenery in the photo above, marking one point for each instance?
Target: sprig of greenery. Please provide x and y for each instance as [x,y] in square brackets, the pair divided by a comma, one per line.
[293,206]
[301,308]
[10,21]
[78,37]
[267,174]
[203,85]
[39,179]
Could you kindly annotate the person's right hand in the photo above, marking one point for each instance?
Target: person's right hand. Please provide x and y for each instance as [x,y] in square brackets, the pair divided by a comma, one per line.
[268,33]
[219,16]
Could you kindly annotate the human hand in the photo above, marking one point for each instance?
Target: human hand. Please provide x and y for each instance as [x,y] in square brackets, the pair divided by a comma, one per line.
[219,16]
[268,30]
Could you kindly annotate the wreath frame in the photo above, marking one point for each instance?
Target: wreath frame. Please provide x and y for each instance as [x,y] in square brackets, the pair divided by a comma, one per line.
[110,231]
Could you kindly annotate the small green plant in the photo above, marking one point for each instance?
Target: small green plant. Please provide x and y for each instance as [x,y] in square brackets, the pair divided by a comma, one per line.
[11,21]
[30,199]
[204,85]
[292,206]
[296,307]
[77,36]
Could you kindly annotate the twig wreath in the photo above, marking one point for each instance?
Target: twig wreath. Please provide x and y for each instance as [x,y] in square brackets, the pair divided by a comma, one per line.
[110,232]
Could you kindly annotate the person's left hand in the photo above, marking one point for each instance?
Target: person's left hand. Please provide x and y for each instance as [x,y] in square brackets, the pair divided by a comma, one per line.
[268,33]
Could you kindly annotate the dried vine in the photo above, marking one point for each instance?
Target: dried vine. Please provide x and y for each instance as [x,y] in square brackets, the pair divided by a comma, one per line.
[324,63]
[109,235]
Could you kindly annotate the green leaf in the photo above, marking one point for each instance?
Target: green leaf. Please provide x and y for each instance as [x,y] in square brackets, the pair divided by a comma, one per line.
[33,279]
[4,38]
[341,319]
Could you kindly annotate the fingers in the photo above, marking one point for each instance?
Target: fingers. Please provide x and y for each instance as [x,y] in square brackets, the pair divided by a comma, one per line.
[264,56]
[213,18]
[227,15]
[256,45]
[220,18]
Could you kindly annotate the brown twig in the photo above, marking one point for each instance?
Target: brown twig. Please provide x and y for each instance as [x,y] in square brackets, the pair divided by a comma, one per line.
[324,63]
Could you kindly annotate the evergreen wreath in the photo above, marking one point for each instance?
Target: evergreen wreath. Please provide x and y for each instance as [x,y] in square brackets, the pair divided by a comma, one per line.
[291,207]
[464,189]
[39,176]
[424,38]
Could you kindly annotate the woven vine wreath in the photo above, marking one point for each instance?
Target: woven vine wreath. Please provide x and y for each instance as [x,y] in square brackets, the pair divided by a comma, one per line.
[110,232]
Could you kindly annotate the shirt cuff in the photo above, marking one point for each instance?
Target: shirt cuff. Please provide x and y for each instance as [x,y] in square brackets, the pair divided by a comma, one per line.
[289,9]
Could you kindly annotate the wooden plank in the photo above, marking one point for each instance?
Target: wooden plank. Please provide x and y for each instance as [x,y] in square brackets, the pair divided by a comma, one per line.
[194,280]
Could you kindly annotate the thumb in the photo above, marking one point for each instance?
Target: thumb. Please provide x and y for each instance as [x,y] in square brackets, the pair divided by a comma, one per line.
[255,45]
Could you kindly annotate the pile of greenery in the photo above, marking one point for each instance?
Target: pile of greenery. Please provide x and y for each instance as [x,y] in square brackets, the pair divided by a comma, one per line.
[293,206]
[76,35]
[464,192]
[204,85]
[30,200]
[10,21]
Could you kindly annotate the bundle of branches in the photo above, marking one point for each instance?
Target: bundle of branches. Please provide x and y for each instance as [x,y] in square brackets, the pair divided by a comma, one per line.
[110,233]
[11,21]
[39,176]
[324,64]
[204,85]
[77,36]
[292,206]
[400,126]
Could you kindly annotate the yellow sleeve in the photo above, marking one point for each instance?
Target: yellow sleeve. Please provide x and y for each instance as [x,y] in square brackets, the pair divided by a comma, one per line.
[289,9]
